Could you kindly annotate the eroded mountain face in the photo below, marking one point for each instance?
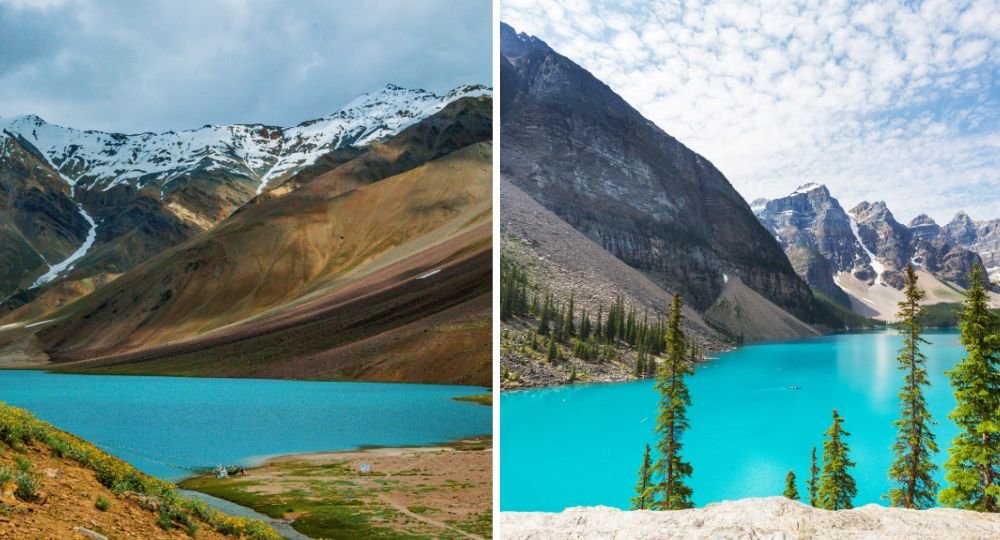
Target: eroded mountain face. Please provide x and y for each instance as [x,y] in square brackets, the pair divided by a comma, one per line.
[101,203]
[821,240]
[580,150]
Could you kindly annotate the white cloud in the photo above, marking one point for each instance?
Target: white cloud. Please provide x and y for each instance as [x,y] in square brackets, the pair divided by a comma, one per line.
[894,100]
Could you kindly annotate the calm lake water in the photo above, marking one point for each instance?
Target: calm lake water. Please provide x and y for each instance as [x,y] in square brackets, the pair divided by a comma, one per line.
[158,423]
[582,445]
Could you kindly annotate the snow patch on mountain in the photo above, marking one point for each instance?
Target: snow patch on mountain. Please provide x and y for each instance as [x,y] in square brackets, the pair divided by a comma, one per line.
[876,265]
[806,188]
[67,264]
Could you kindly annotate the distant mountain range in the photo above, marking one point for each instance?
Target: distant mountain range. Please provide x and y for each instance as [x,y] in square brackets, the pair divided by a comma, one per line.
[856,257]
[119,248]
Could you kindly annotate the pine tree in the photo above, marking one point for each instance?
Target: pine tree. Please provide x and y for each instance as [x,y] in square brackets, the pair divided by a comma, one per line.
[569,329]
[813,482]
[973,465]
[672,419]
[791,491]
[913,470]
[543,323]
[645,489]
[598,330]
[836,486]
[558,326]
[553,352]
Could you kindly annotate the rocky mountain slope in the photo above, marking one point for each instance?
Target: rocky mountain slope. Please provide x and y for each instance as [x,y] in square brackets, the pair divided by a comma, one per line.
[857,257]
[578,149]
[40,223]
[133,196]
[763,518]
[377,269]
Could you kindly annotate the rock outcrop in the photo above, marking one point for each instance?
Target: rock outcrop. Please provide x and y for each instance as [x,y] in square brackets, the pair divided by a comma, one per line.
[771,518]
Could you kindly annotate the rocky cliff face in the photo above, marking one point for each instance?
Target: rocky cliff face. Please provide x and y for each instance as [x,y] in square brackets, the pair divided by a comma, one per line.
[580,150]
[822,241]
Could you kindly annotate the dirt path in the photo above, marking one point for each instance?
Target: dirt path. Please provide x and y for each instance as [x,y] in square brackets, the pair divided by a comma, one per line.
[430,521]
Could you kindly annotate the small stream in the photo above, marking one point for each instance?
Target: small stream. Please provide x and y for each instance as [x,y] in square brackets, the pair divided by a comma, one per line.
[283,527]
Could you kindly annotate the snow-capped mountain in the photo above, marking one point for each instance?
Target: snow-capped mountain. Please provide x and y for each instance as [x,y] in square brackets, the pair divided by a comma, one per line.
[97,160]
[111,201]
[857,257]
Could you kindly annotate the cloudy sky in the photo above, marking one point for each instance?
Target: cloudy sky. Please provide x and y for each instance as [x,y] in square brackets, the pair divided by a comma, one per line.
[178,64]
[886,100]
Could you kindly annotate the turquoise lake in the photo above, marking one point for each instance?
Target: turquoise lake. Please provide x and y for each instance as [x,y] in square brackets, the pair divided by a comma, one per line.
[582,445]
[162,423]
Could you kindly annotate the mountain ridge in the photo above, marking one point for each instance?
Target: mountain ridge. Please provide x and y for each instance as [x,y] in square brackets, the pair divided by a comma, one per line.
[143,193]
[852,255]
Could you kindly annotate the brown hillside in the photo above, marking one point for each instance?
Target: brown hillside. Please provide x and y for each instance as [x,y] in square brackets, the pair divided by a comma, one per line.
[290,279]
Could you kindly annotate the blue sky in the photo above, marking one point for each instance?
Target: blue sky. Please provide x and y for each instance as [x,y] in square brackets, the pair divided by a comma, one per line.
[163,64]
[894,101]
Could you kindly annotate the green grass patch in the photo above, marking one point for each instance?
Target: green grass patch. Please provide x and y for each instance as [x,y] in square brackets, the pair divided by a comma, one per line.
[482,399]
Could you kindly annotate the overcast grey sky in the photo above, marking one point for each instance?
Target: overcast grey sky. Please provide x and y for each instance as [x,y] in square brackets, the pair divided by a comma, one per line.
[156,65]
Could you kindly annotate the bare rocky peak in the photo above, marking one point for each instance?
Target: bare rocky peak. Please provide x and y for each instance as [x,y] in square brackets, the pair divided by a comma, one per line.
[924,228]
[961,229]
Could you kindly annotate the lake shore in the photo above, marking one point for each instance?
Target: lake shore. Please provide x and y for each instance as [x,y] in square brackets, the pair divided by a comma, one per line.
[535,373]
[442,491]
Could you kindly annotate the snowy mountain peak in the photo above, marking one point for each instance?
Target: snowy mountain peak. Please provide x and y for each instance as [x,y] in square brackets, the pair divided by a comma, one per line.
[806,188]
[259,153]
